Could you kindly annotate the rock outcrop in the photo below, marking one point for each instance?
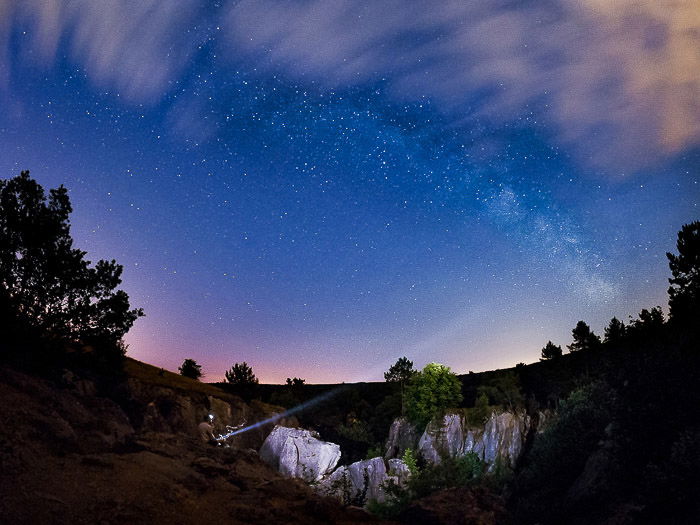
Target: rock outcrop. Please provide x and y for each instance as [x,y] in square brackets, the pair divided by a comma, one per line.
[443,437]
[500,438]
[399,470]
[402,436]
[299,453]
[363,481]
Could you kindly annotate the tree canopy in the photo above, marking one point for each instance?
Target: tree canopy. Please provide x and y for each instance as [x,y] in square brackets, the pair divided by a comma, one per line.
[46,283]
[684,292]
[400,372]
[241,374]
[615,331]
[550,351]
[431,391]
[584,338]
[191,369]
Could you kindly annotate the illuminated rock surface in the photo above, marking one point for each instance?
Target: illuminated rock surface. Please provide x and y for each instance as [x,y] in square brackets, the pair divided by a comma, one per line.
[299,453]
[363,481]
[402,435]
[501,437]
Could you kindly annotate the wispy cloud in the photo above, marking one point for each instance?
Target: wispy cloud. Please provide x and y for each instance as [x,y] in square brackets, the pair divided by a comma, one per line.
[135,47]
[618,83]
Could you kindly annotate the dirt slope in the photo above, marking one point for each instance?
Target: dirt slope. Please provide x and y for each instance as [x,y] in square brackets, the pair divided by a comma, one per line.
[68,455]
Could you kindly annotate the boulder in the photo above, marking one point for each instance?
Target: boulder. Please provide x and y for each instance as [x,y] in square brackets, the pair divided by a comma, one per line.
[402,436]
[299,453]
[399,470]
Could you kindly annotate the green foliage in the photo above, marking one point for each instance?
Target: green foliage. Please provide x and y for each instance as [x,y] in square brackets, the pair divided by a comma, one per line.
[410,460]
[684,292]
[400,372]
[451,472]
[375,451]
[45,283]
[241,374]
[584,338]
[550,351]
[191,369]
[504,390]
[615,331]
[356,430]
[560,453]
[397,500]
[481,409]
[384,413]
[430,392]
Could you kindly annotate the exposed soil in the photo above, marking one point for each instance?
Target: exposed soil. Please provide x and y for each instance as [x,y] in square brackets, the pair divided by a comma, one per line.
[68,456]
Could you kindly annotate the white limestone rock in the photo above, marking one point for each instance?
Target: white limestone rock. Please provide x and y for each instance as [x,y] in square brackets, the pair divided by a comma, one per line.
[363,481]
[442,437]
[402,435]
[298,453]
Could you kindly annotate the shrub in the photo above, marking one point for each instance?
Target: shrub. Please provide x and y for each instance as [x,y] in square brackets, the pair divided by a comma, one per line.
[430,392]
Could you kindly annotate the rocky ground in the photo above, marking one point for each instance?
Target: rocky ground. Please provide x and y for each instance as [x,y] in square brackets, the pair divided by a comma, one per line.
[74,452]
[69,455]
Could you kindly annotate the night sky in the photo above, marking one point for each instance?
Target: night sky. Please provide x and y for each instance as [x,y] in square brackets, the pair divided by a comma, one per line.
[320,187]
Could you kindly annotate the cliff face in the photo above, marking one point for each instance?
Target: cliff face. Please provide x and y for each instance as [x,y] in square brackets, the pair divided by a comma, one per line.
[500,438]
[402,435]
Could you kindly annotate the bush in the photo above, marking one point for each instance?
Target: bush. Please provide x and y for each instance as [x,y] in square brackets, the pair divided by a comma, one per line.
[451,472]
[410,460]
[430,392]
[560,453]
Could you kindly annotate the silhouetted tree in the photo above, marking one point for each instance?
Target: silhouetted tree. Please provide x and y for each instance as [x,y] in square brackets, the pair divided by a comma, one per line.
[191,369]
[295,383]
[650,323]
[550,351]
[400,372]
[241,374]
[615,331]
[584,338]
[430,391]
[684,292]
[45,282]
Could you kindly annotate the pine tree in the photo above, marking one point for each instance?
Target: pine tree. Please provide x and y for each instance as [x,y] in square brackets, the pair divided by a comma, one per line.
[550,351]
[684,292]
[45,283]
[241,374]
[584,338]
[191,369]
[615,331]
